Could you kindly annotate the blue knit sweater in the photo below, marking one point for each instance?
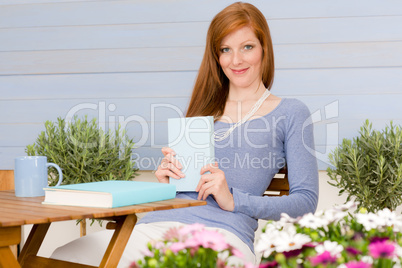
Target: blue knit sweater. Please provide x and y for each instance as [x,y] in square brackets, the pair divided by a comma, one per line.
[250,157]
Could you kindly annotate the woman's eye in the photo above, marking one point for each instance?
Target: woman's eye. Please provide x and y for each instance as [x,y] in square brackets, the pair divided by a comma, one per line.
[248,47]
[225,50]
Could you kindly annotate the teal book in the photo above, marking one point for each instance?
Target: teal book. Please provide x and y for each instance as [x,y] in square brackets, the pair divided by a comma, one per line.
[108,194]
[192,138]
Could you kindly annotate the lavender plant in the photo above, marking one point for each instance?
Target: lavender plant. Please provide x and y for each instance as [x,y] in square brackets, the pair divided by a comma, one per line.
[369,167]
[84,152]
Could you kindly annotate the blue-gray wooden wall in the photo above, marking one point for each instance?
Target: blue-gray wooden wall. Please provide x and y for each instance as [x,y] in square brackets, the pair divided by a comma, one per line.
[136,61]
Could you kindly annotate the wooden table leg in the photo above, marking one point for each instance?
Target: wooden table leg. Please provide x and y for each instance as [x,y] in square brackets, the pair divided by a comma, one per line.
[119,241]
[7,258]
[9,236]
[34,241]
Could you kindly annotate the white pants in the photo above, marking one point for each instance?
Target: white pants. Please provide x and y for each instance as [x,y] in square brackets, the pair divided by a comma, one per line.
[91,248]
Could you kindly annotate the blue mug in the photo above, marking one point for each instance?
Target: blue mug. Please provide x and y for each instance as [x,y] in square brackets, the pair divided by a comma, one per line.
[30,175]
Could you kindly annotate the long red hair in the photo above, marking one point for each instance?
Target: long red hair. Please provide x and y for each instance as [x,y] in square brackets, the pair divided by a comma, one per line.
[211,87]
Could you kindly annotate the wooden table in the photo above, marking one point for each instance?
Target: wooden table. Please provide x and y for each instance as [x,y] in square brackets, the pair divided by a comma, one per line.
[17,211]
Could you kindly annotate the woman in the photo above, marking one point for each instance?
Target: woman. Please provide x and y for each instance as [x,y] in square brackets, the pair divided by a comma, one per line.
[233,83]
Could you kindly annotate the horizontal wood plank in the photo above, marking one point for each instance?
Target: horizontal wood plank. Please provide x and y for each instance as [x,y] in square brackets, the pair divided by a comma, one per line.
[301,56]
[130,110]
[97,86]
[190,34]
[150,111]
[288,82]
[101,61]
[24,2]
[151,11]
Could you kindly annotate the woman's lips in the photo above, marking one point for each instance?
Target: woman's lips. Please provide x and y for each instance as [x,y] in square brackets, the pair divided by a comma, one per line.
[240,71]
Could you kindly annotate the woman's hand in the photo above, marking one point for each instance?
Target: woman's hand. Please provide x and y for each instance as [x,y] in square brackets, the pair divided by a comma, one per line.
[169,167]
[216,185]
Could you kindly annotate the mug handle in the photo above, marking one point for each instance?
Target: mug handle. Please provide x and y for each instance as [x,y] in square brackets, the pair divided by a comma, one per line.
[58,170]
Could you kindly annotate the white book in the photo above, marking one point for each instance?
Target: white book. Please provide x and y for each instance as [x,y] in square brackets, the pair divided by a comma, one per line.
[193,141]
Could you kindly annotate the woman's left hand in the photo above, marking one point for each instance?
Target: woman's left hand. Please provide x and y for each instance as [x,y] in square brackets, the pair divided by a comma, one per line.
[216,185]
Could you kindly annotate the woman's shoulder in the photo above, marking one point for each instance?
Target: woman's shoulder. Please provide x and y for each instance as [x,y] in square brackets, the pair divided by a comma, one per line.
[293,106]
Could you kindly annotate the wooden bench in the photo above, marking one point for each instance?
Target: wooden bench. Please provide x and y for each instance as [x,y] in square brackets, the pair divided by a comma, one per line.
[279,185]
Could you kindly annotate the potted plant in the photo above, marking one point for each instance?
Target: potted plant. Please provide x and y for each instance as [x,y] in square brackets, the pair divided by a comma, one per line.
[84,152]
[369,167]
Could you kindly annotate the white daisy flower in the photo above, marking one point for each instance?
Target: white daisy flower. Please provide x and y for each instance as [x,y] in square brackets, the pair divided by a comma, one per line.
[333,215]
[397,226]
[266,242]
[285,218]
[265,245]
[319,213]
[332,247]
[396,264]
[290,240]
[398,250]
[390,218]
[313,222]
[370,220]
[347,206]
[271,227]
[367,259]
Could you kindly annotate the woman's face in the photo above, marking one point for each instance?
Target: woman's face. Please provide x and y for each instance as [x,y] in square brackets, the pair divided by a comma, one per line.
[240,58]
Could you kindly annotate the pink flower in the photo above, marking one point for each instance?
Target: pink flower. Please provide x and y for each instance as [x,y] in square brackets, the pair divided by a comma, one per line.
[211,239]
[237,252]
[292,253]
[323,258]
[157,244]
[176,247]
[134,265]
[220,263]
[382,249]
[148,253]
[190,228]
[268,264]
[357,264]
[193,251]
[353,251]
[172,234]
[192,243]
[250,265]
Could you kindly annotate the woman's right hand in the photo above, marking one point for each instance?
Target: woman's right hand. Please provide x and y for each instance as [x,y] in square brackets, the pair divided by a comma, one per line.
[169,167]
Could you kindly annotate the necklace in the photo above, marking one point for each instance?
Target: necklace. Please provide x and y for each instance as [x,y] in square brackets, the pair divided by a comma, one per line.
[256,106]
